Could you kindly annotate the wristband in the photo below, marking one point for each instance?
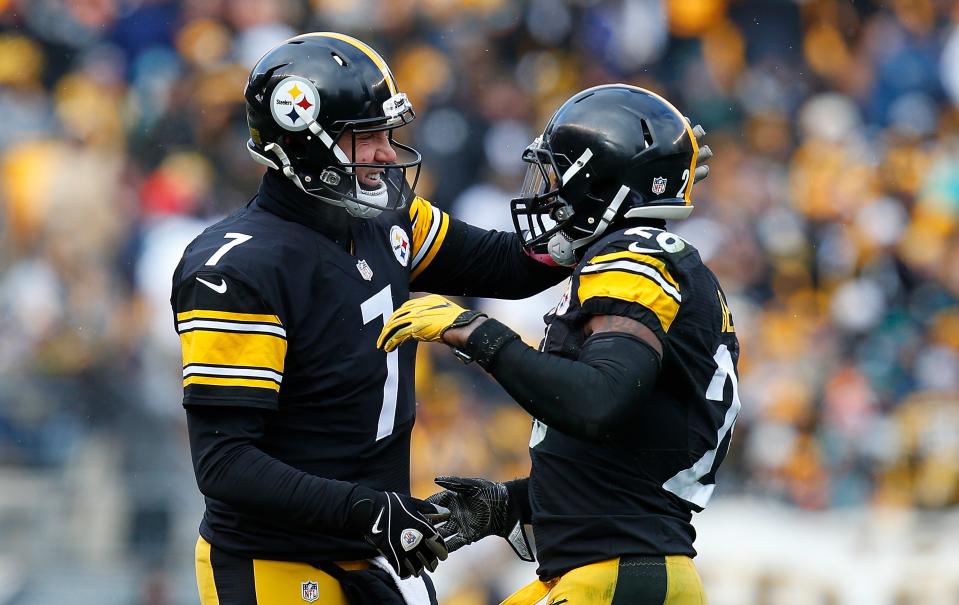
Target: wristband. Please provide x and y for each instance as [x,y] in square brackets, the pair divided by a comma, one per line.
[486,341]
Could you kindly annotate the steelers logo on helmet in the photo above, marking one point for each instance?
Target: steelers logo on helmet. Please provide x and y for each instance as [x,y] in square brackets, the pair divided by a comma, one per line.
[295,103]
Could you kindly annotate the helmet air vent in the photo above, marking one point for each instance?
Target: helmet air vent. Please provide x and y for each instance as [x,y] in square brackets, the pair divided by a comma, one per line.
[339,60]
[647,134]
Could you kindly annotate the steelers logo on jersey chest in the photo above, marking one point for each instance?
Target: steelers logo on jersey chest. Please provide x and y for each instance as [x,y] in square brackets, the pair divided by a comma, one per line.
[400,242]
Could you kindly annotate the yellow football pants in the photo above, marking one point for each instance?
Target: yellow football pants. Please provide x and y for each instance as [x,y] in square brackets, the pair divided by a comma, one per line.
[671,580]
[223,579]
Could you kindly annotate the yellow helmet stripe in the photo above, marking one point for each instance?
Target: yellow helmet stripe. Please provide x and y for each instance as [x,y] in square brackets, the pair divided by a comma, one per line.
[692,137]
[369,52]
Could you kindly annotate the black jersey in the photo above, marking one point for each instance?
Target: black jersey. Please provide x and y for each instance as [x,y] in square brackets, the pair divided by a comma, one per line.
[593,502]
[273,314]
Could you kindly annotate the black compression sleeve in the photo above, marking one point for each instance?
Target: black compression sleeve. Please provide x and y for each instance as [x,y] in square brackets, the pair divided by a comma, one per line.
[477,262]
[231,468]
[594,397]
[518,490]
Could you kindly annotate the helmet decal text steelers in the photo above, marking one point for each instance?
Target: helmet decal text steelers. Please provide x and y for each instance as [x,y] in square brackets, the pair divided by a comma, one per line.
[295,103]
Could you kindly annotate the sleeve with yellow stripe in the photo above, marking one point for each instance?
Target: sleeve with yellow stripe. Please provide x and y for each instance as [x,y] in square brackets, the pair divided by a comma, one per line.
[455,258]
[233,344]
[629,284]
[430,225]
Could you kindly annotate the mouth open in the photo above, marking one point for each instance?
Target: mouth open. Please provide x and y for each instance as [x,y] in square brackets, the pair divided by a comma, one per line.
[371,181]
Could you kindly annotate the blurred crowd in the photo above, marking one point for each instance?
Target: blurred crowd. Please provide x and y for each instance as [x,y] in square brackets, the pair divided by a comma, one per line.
[831,216]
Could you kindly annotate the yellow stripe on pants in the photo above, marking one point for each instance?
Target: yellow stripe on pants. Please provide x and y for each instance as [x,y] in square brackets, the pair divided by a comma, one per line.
[597,583]
[204,574]
[274,582]
[592,584]
[683,587]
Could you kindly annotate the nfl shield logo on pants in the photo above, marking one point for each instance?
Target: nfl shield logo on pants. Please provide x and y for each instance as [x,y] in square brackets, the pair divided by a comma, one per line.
[310,591]
[659,185]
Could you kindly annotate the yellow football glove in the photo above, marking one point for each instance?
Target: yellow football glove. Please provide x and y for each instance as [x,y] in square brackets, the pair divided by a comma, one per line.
[425,318]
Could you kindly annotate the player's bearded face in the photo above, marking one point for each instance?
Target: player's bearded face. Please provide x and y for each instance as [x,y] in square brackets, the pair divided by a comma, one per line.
[371,148]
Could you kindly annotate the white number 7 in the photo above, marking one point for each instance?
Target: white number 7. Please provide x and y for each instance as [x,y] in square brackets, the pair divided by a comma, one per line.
[238,238]
[381,305]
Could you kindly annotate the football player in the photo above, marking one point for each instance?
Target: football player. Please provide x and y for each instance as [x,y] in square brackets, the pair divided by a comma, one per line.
[299,426]
[633,389]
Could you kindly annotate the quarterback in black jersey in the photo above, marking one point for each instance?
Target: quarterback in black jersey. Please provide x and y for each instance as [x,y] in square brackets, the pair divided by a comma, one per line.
[633,390]
[299,426]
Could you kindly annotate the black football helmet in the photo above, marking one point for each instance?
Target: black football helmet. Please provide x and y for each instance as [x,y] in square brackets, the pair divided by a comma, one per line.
[304,94]
[608,154]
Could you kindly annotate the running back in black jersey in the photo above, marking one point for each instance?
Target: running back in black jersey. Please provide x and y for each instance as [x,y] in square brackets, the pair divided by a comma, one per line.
[595,502]
[274,315]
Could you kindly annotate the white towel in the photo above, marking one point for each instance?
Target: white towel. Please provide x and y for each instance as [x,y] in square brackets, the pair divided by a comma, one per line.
[413,589]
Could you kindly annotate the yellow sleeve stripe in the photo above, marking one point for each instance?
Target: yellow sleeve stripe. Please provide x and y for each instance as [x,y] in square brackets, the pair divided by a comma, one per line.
[419,203]
[422,215]
[628,266]
[642,258]
[630,287]
[430,225]
[239,349]
[434,247]
[219,381]
[209,314]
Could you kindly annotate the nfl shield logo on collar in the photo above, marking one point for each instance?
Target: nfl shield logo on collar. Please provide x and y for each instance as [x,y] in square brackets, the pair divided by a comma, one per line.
[659,185]
[310,591]
[364,268]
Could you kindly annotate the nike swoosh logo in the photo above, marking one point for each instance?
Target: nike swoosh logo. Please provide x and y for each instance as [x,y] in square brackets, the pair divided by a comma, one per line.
[218,288]
[558,602]
[635,247]
[376,524]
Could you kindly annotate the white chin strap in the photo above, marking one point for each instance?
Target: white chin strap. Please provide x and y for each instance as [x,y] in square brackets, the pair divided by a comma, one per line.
[378,196]
[563,250]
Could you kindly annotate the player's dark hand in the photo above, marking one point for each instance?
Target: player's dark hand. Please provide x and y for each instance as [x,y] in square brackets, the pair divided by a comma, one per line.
[479,508]
[401,528]
[702,168]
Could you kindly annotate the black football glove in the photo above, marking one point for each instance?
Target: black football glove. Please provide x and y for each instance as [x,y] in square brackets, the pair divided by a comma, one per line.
[479,508]
[401,528]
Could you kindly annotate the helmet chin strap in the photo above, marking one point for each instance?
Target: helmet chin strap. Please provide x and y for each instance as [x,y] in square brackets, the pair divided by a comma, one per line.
[378,196]
[563,250]
[354,209]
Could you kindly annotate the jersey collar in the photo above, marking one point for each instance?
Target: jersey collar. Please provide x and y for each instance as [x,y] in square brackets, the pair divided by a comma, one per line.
[281,197]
